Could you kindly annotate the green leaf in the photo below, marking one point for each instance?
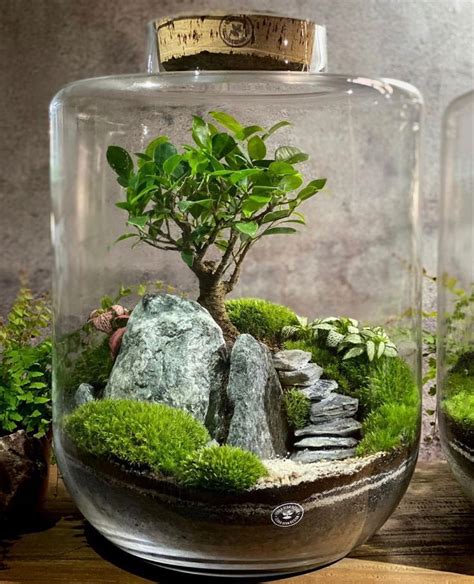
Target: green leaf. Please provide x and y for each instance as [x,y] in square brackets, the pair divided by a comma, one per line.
[125,236]
[222,144]
[380,349]
[187,257]
[239,175]
[200,132]
[248,131]
[150,149]
[249,228]
[256,148]
[186,205]
[119,159]
[162,152]
[279,230]
[370,347]
[311,189]
[282,168]
[354,352]
[276,215]
[290,154]
[171,163]
[227,121]
[275,128]
[139,221]
[254,203]
[290,183]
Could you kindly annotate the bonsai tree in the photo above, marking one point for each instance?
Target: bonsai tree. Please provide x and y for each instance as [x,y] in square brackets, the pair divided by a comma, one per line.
[213,200]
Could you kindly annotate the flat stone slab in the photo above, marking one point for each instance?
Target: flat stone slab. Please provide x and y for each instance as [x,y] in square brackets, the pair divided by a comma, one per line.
[342,427]
[319,390]
[306,376]
[291,359]
[326,442]
[308,456]
[334,406]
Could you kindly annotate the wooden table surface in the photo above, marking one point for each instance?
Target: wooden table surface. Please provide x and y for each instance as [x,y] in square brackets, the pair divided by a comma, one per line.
[429,539]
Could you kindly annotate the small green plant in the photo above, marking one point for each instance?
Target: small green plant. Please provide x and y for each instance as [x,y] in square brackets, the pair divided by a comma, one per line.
[297,407]
[390,426]
[138,433]
[25,366]
[213,200]
[460,406]
[345,336]
[222,468]
[262,319]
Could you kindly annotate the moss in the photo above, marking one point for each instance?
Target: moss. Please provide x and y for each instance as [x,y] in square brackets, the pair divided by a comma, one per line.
[262,319]
[459,403]
[297,407]
[390,426]
[222,468]
[142,434]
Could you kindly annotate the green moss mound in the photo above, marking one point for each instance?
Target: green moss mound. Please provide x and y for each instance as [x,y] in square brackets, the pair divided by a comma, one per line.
[297,407]
[459,403]
[142,434]
[262,319]
[222,468]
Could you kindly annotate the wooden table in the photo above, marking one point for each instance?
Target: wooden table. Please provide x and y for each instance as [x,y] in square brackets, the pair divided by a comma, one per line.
[429,539]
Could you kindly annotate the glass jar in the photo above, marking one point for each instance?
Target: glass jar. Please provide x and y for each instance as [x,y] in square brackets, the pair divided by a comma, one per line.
[456,294]
[237,312]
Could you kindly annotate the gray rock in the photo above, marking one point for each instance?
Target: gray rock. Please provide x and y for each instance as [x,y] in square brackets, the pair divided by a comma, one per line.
[326,442]
[333,406]
[291,359]
[84,394]
[171,353]
[308,456]
[319,390]
[306,376]
[342,427]
[255,395]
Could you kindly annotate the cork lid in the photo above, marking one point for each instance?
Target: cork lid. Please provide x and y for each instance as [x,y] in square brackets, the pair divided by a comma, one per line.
[236,42]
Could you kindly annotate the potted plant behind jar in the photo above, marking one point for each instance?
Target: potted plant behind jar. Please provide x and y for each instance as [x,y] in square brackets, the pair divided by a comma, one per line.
[25,403]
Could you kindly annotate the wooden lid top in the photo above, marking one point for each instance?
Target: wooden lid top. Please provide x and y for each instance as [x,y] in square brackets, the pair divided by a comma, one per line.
[235,42]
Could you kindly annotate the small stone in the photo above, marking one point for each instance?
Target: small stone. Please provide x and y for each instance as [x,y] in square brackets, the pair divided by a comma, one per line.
[306,376]
[84,394]
[309,456]
[342,427]
[321,389]
[291,359]
[334,406]
[326,442]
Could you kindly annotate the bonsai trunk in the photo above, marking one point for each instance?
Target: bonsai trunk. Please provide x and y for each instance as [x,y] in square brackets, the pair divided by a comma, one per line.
[212,293]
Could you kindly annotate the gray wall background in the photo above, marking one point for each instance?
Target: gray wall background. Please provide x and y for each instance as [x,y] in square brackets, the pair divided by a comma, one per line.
[45,44]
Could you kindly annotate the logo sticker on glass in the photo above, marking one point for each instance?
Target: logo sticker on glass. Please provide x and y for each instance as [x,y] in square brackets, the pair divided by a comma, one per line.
[287,515]
[236,31]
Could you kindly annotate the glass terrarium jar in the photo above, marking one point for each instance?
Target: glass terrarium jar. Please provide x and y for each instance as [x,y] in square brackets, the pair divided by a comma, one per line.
[237,305]
[456,294]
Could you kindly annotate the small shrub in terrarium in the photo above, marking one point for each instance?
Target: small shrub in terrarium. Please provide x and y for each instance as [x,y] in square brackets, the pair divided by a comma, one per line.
[200,406]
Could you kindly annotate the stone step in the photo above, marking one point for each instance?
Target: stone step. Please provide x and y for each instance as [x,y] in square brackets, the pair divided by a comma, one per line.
[326,442]
[341,427]
[333,406]
[291,359]
[321,389]
[305,376]
[308,456]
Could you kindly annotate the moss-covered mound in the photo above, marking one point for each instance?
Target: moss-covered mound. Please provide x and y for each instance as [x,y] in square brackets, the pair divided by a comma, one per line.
[297,407]
[262,319]
[222,468]
[142,434]
[460,407]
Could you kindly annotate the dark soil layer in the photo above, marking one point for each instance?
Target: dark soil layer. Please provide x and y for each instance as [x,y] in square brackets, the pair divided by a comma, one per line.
[197,530]
[207,61]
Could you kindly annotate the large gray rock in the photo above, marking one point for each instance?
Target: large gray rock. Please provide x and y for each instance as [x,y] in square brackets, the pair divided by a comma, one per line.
[326,442]
[308,456]
[334,406]
[342,427]
[305,376]
[171,353]
[258,422]
[84,394]
[291,359]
